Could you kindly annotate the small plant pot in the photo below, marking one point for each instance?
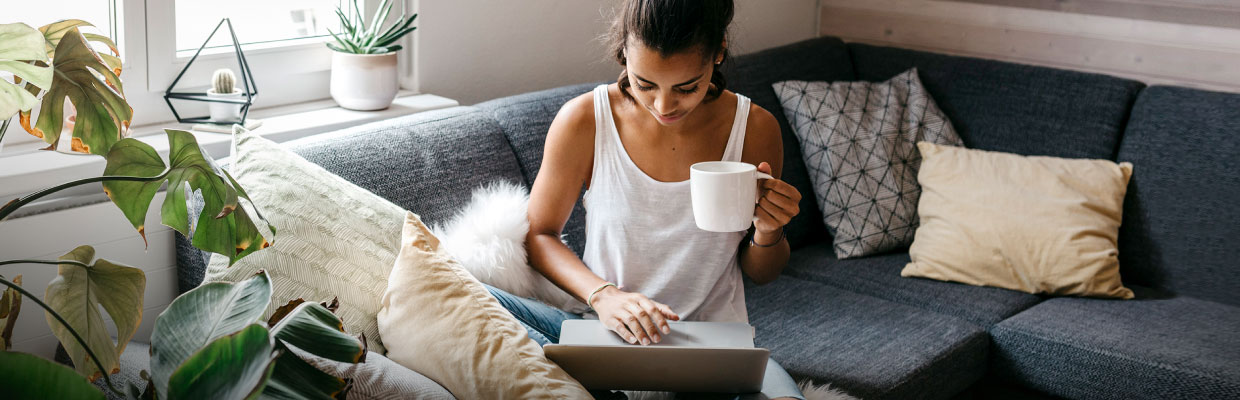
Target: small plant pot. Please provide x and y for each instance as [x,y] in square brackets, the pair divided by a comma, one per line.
[225,112]
[364,82]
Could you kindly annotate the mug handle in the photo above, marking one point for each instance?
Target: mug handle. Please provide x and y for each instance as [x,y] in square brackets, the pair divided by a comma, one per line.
[758,196]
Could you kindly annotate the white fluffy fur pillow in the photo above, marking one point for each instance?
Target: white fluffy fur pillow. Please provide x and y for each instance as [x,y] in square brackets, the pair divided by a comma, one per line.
[487,238]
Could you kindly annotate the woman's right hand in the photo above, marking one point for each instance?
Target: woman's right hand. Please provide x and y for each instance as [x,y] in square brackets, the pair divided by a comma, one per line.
[633,316]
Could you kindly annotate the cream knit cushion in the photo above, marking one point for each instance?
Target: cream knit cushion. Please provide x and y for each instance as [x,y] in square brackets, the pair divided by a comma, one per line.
[333,238]
[441,322]
[1034,224]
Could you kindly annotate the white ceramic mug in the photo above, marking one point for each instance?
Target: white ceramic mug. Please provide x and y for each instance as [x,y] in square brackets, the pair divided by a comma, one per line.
[724,194]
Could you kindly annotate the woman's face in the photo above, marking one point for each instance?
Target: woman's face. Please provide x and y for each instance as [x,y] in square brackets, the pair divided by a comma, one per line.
[668,87]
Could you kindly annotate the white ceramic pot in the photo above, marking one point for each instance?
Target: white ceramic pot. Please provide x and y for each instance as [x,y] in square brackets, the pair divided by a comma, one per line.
[225,112]
[364,81]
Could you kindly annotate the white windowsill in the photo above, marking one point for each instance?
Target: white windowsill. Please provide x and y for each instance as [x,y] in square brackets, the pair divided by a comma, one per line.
[27,172]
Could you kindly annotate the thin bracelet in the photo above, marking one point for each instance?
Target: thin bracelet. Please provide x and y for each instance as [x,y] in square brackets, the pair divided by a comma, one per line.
[590,299]
[781,238]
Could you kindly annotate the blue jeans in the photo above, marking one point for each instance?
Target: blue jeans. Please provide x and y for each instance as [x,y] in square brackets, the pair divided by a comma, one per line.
[543,324]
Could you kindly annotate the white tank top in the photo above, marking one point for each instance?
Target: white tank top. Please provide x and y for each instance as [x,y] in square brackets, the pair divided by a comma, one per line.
[640,232]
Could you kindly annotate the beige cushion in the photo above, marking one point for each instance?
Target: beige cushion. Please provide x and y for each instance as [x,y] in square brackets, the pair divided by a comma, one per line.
[333,238]
[440,321]
[1033,224]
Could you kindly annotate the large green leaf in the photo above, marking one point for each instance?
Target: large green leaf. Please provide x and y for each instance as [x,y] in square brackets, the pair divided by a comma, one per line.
[294,378]
[20,48]
[314,329]
[76,294]
[53,32]
[201,316]
[235,366]
[10,309]
[84,79]
[223,227]
[25,376]
[311,327]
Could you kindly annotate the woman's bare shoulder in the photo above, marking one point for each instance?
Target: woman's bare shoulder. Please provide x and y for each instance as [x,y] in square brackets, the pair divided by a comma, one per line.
[575,117]
[763,141]
[762,121]
[570,132]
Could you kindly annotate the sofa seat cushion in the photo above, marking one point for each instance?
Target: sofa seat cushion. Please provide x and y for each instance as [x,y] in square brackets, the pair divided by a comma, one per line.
[879,276]
[1014,108]
[1180,215]
[869,347]
[1152,347]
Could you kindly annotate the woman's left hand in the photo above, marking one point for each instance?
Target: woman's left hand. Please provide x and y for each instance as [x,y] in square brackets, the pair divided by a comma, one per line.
[777,204]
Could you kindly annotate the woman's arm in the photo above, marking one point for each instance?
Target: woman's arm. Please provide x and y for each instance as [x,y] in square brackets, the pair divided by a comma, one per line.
[568,160]
[764,259]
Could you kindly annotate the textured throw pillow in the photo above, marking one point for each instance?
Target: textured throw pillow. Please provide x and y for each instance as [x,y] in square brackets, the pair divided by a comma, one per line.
[334,239]
[1033,224]
[441,322]
[858,140]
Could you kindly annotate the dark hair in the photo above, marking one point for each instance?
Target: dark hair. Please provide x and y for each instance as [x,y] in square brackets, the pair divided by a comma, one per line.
[673,26]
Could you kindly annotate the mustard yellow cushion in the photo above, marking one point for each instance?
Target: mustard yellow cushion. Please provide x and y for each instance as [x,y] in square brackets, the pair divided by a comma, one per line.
[1034,224]
[438,320]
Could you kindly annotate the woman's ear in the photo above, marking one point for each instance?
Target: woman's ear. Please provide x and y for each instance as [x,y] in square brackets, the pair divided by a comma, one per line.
[722,50]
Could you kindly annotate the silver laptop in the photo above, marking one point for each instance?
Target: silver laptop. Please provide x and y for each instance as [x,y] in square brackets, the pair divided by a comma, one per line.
[695,357]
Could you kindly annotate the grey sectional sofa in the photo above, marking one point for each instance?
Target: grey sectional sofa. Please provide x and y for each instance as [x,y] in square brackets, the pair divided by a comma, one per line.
[856,323]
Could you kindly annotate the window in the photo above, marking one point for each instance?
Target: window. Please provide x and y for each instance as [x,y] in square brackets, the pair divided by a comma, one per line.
[262,22]
[100,13]
[283,42]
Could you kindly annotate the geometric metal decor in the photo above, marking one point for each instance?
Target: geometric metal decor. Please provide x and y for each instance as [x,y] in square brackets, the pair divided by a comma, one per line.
[247,82]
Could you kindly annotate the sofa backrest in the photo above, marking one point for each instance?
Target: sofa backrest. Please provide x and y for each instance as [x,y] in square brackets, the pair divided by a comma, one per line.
[1014,108]
[428,163]
[1181,220]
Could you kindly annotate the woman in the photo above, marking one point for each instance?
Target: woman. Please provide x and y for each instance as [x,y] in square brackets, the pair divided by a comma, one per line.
[630,144]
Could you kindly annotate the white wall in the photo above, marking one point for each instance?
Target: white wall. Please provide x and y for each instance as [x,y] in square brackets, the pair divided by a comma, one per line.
[476,50]
[102,226]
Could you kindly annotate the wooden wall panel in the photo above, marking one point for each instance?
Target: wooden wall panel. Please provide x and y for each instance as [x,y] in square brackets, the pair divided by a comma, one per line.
[1153,52]
[1220,13]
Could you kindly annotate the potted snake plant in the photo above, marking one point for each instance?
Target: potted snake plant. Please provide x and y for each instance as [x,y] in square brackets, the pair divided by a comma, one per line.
[363,73]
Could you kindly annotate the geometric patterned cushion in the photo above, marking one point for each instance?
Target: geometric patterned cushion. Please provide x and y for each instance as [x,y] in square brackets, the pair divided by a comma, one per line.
[859,142]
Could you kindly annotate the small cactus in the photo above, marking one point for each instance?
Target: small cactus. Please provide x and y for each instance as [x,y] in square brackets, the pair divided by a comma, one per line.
[223,81]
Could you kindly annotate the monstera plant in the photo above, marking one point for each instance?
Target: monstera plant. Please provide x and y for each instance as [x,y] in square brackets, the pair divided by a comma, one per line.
[208,342]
